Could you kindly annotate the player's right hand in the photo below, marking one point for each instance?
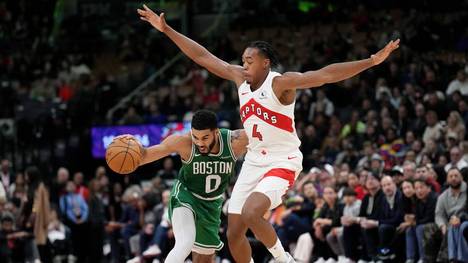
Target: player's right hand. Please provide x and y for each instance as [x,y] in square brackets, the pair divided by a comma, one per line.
[131,137]
[159,22]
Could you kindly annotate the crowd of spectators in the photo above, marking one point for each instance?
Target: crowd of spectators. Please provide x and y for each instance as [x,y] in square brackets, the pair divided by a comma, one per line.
[385,153]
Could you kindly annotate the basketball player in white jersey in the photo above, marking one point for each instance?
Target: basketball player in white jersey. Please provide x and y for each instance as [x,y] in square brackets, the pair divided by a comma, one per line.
[273,159]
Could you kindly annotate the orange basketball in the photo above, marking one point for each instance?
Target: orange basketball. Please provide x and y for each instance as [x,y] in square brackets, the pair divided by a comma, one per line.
[123,155]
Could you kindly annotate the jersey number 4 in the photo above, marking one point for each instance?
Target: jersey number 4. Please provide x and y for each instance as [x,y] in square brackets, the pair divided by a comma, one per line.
[256,133]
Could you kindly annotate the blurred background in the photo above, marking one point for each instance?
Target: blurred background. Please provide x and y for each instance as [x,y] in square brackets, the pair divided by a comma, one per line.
[76,73]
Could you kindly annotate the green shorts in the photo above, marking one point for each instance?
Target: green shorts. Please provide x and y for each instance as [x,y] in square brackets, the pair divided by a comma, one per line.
[207,216]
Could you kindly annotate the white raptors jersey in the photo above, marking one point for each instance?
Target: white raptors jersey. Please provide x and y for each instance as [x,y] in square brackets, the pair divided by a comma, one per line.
[269,125]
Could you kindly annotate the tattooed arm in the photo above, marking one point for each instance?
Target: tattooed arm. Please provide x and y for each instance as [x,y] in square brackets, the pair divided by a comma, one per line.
[239,142]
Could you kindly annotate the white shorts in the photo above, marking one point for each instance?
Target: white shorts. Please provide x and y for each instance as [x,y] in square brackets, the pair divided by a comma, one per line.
[273,181]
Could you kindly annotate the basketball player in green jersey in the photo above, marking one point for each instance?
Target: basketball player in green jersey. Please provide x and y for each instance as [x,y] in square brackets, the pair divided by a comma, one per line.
[208,159]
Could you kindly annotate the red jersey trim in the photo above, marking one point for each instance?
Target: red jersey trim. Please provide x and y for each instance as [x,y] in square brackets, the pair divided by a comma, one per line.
[285,174]
[273,118]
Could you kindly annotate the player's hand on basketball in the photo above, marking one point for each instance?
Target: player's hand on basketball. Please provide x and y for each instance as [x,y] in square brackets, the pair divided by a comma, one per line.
[380,56]
[146,14]
[125,137]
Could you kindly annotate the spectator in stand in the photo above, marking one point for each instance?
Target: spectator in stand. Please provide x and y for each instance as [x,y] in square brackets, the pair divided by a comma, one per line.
[419,123]
[460,83]
[433,129]
[463,241]
[455,127]
[409,170]
[350,211]
[353,183]
[424,215]
[409,205]
[456,160]
[381,231]
[59,237]
[422,173]
[368,211]
[397,175]
[17,188]
[321,105]
[168,174]
[310,195]
[449,205]
[355,127]
[81,189]
[131,117]
[97,220]
[431,149]
[16,246]
[368,151]
[328,220]
[6,176]
[75,212]
[294,221]
[58,188]
[130,222]
[163,229]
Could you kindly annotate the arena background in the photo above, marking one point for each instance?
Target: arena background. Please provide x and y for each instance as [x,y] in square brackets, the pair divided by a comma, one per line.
[71,67]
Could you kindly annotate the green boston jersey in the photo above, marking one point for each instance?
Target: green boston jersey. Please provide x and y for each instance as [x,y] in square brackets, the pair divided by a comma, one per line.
[207,176]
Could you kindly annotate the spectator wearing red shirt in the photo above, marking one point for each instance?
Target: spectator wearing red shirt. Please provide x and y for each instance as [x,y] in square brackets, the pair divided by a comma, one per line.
[81,189]
[353,182]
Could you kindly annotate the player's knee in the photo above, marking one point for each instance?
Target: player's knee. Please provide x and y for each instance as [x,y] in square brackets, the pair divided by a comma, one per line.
[256,206]
[250,216]
[233,236]
[184,246]
[199,258]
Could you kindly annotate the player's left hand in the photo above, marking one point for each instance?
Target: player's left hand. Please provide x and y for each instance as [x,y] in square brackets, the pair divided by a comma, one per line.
[380,56]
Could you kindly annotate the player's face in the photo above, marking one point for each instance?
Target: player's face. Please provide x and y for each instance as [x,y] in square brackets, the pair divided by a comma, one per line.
[205,140]
[254,64]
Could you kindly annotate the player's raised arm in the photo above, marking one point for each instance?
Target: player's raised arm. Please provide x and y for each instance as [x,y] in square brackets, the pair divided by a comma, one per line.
[332,73]
[192,49]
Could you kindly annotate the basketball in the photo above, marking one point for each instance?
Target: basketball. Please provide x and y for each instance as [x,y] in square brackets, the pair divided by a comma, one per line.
[123,155]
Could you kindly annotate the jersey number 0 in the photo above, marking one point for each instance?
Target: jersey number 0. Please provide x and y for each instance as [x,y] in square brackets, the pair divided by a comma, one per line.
[211,186]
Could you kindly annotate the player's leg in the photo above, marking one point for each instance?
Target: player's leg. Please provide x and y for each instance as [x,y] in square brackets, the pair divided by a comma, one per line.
[199,258]
[238,242]
[183,226]
[236,231]
[268,195]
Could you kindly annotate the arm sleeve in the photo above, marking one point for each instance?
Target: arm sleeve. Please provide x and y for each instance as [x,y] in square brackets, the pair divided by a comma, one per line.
[440,215]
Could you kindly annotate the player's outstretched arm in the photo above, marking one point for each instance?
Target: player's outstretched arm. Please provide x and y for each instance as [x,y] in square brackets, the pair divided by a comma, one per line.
[239,142]
[192,49]
[332,73]
[172,144]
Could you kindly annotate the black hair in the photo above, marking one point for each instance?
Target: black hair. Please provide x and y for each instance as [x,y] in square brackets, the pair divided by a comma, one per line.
[204,119]
[348,191]
[266,50]
[420,180]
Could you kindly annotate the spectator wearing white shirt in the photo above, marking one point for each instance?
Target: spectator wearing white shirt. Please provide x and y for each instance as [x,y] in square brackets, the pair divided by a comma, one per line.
[322,104]
[433,129]
[456,160]
[6,176]
[460,83]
